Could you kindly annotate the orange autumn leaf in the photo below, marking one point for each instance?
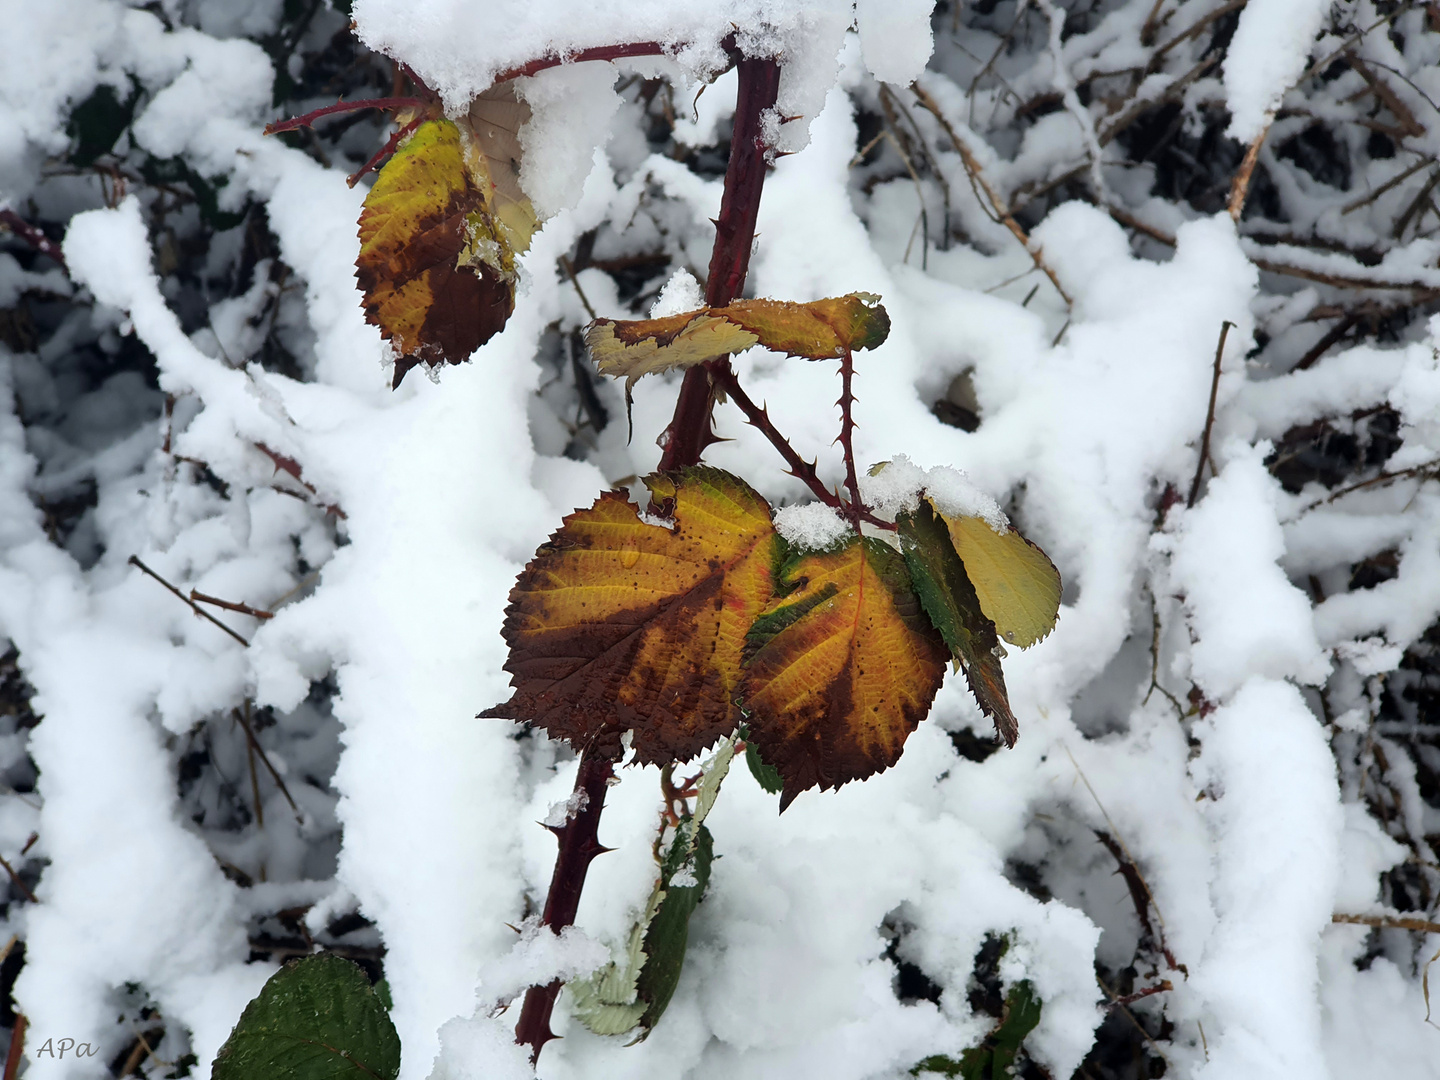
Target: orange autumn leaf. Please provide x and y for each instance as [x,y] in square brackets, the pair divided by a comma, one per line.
[821,329]
[439,234]
[618,624]
[842,669]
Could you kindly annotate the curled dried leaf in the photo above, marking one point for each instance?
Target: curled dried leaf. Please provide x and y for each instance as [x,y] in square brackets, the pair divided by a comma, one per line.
[821,329]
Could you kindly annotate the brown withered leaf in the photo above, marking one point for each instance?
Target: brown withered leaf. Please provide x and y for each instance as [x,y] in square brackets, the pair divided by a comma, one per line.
[618,624]
[948,597]
[842,669]
[819,330]
[439,234]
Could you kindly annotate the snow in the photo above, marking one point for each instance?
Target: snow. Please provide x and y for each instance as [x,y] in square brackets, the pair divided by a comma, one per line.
[811,526]
[680,294]
[386,637]
[1266,57]
[1247,618]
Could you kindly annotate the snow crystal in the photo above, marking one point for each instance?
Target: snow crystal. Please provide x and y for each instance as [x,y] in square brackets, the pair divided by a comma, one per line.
[680,294]
[684,878]
[811,526]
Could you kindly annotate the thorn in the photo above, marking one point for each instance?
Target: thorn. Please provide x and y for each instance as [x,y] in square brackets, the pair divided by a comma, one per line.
[512,926]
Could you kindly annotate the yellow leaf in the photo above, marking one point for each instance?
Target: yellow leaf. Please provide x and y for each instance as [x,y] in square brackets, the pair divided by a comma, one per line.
[1018,585]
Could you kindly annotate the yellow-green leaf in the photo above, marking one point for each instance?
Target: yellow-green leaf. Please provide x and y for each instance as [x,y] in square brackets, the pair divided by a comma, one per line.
[618,624]
[840,670]
[818,330]
[1018,585]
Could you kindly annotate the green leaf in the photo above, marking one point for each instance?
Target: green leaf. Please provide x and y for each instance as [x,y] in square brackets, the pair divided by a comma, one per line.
[316,1019]
[994,1058]
[623,996]
[98,121]
[669,933]
[949,598]
[767,776]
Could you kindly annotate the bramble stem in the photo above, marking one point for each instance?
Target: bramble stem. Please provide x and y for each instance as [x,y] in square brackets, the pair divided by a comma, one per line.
[689,435]
[390,144]
[308,119]
[579,844]
[599,52]
[33,236]
[801,469]
[689,431]
[847,431]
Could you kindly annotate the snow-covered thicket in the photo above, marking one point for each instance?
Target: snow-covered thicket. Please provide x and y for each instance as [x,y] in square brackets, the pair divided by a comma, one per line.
[1235,709]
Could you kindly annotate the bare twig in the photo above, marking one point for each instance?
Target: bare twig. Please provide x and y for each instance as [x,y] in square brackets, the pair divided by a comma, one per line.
[1384,478]
[19,883]
[1209,415]
[1192,30]
[1408,124]
[230,605]
[1331,337]
[977,175]
[1133,864]
[1389,922]
[1383,188]
[135,561]
[1117,1002]
[17,1048]
[801,469]
[599,52]
[291,467]
[244,719]
[569,268]
[1240,186]
[1130,999]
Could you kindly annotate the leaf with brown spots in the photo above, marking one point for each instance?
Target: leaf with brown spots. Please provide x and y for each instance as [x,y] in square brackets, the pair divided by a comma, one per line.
[440,231]
[948,597]
[618,624]
[819,330]
[841,670]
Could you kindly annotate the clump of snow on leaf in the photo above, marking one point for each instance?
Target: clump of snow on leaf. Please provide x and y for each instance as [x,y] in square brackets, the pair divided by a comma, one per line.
[678,295]
[811,526]
[893,487]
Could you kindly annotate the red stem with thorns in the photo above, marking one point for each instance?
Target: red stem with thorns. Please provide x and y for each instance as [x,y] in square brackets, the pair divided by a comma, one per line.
[308,119]
[847,432]
[688,435]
